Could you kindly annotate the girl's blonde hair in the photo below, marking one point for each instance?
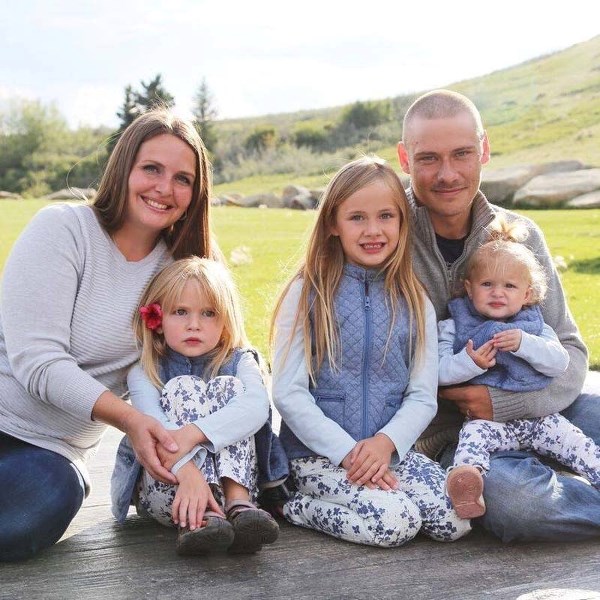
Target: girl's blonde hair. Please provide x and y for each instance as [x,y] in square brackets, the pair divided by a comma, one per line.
[215,283]
[189,236]
[321,269]
[504,250]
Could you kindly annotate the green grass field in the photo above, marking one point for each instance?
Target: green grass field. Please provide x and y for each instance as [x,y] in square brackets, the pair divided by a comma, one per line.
[273,242]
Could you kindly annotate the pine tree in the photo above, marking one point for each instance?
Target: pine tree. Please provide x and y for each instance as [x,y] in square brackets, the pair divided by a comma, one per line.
[154,94]
[137,103]
[205,113]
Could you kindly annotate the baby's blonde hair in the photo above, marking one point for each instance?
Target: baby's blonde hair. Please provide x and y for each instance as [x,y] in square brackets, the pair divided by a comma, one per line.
[215,282]
[321,269]
[505,249]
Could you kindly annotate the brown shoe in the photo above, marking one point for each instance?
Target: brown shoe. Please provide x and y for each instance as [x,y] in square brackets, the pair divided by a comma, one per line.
[252,526]
[214,535]
[464,485]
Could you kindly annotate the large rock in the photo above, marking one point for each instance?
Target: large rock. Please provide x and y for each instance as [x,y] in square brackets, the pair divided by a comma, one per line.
[232,199]
[73,194]
[268,200]
[590,200]
[10,196]
[500,185]
[558,188]
[298,197]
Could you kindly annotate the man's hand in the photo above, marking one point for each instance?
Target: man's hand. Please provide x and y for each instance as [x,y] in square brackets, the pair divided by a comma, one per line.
[484,356]
[507,341]
[473,401]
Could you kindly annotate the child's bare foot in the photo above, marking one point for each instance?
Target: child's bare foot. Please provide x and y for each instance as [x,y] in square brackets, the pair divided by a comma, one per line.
[464,485]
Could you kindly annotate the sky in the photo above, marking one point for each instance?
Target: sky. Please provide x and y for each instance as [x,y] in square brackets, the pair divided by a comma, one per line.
[266,56]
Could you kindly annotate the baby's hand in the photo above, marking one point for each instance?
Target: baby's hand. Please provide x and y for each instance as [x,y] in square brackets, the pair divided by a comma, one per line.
[508,341]
[484,356]
[192,498]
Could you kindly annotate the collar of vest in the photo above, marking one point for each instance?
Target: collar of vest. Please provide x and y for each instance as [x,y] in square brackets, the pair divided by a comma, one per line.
[363,273]
[179,359]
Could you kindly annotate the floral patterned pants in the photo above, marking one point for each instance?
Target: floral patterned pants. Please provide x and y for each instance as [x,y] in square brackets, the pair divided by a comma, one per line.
[328,502]
[185,399]
[552,436]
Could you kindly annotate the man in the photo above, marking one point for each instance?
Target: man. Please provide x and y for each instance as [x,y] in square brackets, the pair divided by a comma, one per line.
[443,149]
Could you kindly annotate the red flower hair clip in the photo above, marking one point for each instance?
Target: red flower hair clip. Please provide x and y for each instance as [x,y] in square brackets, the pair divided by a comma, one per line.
[152,316]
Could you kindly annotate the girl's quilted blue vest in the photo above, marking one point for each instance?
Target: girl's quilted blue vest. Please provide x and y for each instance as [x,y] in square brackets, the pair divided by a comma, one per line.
[511,373]
[367,389]
[175,364]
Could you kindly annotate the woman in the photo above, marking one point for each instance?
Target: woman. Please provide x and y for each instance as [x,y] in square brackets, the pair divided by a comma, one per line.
[70,288]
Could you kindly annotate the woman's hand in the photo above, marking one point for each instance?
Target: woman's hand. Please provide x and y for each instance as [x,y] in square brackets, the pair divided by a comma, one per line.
[192,498]
[149,439]
[145,433]
[186,438]
[368,463]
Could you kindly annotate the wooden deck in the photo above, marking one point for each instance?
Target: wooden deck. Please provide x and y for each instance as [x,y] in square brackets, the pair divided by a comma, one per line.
[99,559]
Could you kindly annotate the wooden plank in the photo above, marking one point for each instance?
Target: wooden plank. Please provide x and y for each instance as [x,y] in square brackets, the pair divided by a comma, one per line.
[99,559]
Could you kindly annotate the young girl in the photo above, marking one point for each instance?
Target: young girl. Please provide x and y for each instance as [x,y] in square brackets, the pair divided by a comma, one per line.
[193,348]
[355,371]
[496,336]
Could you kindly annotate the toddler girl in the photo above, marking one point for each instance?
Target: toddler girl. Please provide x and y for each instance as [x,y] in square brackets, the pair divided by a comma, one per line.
[496,336]
[194,349]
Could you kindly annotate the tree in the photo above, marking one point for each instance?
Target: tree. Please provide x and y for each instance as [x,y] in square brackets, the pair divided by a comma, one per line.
[262,138]
[153,95]
[136,103]
[205,112]
[130,109]
[362,115]
[40,154]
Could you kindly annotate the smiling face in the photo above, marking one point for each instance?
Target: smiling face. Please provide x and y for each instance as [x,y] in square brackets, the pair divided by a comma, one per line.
[192,326]
[444,158]
[368,225]
[499,294]
[160,185]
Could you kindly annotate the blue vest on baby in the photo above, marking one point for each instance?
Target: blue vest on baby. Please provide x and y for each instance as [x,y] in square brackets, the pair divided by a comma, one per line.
[511,373]
[367,389]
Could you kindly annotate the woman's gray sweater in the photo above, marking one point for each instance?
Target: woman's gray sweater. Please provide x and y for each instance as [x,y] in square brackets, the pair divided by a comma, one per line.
[68,300]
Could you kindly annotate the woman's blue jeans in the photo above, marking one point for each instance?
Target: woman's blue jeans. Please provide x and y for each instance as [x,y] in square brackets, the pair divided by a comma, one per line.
[528,501]
[40,493]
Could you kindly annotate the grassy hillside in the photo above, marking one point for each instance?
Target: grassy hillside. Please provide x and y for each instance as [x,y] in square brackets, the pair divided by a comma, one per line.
[544,109]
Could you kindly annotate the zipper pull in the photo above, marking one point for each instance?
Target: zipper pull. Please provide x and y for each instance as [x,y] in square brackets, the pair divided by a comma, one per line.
[367,299]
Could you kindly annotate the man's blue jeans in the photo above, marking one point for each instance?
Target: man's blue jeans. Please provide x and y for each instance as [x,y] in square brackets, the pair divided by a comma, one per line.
[40,493]
[527,501]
